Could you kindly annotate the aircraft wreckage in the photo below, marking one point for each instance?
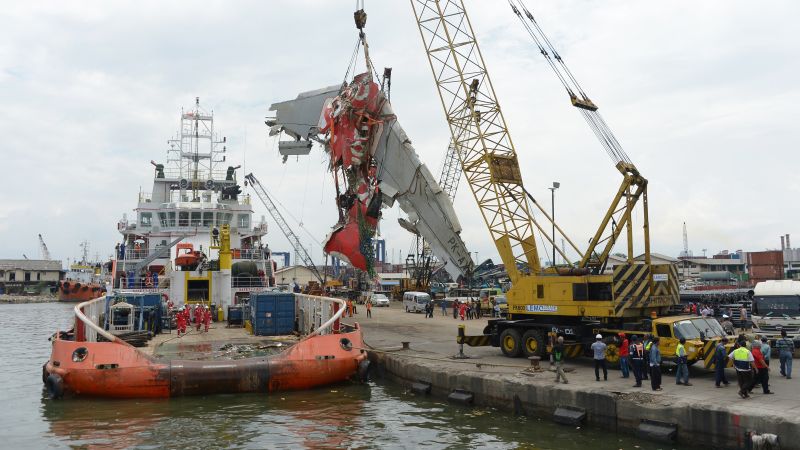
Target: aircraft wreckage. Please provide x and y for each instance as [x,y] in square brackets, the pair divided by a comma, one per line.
[374,165]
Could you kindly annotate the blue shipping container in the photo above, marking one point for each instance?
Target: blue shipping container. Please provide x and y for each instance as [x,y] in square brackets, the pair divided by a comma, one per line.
[272,313]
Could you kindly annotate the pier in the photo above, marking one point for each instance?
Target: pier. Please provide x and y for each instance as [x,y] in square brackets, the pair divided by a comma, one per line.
[697,415]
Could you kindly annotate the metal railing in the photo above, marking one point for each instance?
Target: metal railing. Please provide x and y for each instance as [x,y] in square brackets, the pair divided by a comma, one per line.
[316,313]
[243,281]
[91,319]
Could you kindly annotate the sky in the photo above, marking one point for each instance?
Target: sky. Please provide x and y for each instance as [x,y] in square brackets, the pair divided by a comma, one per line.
[700,94]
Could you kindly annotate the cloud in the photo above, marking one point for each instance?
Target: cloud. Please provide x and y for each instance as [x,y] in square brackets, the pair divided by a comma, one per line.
[701,96]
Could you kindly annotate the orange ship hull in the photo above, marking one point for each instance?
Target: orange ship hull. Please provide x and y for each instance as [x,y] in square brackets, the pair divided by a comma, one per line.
[75,291]
[118,370]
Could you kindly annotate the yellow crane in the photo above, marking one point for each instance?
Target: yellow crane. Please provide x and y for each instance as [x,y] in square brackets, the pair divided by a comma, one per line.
[575,300]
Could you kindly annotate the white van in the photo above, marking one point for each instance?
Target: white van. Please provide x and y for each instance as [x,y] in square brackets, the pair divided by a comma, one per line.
[416,301]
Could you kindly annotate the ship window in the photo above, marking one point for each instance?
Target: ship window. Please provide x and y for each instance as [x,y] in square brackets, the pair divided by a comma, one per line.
[146,219]
[208,219]
[196,218]
[162,218]
[227,220]
[171,218]
[183,219]
[244,221]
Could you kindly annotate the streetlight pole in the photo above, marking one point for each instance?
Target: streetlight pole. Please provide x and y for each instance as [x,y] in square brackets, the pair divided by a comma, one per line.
[556,185]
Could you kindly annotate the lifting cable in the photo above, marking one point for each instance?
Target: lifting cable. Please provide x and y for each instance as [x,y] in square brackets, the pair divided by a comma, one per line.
[588,110]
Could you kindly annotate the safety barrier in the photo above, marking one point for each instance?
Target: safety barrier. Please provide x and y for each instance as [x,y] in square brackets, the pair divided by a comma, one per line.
[87,319]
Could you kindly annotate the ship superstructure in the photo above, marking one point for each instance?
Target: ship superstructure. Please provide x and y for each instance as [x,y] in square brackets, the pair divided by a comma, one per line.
[173,245]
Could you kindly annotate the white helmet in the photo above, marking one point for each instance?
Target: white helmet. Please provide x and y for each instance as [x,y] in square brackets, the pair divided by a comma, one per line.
[599,336]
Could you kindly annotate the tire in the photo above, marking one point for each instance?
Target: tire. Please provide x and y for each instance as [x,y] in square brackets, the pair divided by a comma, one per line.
[55,386]
[533,343]
[511,342]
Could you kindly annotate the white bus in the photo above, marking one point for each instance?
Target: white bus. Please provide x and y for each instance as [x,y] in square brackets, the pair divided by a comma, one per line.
[416,301]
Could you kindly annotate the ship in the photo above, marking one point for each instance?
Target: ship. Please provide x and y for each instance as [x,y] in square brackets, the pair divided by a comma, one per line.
[193,245]
[84,280]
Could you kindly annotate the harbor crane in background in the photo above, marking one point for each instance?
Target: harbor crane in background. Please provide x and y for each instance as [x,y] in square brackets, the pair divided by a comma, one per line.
[301,251]
[576,300]
[43,247]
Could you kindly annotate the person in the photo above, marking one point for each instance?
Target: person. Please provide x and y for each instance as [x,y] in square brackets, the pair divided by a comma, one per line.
[637,358]
[761,375]
[727,325]
[122,251]
[462,310]
[599,349]
[743,317]
[766,350]
[705,311]
[369,309]
[180,322]
[654,360]
[682,370]
[456,304]
[198,316]
[349,305]
[624,353]
[355,306]
[207,318]
[785,347]
[742,362]
[558,354]
[720,361]
[444,307]
[645,365]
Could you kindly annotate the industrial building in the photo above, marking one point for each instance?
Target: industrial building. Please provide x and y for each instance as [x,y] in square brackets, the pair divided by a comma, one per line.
[19,276]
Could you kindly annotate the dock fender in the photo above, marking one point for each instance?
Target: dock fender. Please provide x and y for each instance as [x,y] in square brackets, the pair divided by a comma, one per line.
[364,369]
[55,386]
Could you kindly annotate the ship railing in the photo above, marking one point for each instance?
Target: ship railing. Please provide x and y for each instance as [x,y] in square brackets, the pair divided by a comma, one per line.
[145,197]
[246,281]
[316,314]
[131,255]
[162,282]
[87,320]
[175,173]
[250,254]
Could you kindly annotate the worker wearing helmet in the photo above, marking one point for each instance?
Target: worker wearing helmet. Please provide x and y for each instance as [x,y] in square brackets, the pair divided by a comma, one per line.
[599,349]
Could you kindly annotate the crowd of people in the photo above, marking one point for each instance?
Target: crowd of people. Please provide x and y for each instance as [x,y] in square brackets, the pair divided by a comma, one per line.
[642,357]
[199,315]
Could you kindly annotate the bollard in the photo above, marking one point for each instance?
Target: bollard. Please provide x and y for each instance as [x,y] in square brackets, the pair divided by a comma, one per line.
[535,362]
[460,339]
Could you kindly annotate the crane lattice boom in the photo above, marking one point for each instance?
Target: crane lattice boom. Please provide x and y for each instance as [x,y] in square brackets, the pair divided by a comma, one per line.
[301,251]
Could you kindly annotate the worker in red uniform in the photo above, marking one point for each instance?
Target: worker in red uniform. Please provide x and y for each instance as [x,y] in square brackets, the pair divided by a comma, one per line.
[462,310]
[181,323]
[207,318]
[198,316]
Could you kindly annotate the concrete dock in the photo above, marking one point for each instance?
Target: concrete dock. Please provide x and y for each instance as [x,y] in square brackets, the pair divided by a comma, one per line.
[698,415]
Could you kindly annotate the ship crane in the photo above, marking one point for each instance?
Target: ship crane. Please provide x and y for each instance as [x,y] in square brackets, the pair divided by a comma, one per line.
[301,251]
[43,246]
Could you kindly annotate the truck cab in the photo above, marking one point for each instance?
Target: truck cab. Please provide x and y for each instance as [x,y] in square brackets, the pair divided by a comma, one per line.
[776,307]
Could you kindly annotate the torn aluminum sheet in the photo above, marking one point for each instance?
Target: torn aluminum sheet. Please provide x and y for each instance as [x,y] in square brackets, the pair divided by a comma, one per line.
[403,177]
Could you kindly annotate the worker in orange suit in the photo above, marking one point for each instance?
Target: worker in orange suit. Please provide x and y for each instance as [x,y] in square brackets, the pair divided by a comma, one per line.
[349,308]
[207,318]
[181,323]
[198,316]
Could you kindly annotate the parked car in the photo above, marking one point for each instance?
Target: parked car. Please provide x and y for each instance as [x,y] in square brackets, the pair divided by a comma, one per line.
[380,300]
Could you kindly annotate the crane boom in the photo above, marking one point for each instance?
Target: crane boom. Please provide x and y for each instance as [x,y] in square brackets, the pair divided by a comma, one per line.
[302,253]
[45,251]
[478,130]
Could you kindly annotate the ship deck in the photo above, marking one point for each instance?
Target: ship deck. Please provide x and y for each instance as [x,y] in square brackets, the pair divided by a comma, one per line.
[219,343]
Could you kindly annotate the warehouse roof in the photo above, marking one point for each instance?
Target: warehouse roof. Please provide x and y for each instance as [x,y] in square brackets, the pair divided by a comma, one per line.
[30,264]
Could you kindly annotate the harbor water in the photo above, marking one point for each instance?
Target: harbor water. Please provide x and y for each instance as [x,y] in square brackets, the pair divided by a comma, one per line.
[374,415]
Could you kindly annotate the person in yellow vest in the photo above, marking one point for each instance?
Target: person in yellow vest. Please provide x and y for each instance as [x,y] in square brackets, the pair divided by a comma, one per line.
[743,363]
[682,371]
